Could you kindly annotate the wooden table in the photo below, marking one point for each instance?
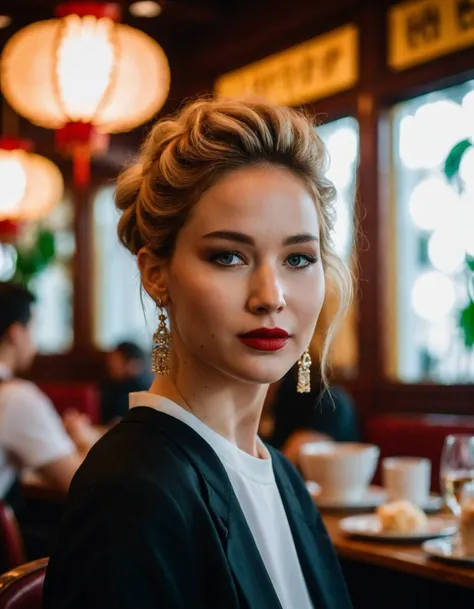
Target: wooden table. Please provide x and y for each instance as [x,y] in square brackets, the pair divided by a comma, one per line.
[404,558]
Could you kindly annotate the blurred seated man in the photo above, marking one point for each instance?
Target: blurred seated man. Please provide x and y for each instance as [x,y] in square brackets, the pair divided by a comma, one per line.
[290,419]
[31,432]
[126,367]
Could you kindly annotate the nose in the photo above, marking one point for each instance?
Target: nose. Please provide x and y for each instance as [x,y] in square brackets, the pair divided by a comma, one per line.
[266,292]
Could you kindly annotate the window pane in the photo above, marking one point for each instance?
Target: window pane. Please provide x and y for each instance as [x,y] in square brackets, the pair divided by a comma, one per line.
[434,221]
[53,287]
[342,141]
[341,138]
[119,314]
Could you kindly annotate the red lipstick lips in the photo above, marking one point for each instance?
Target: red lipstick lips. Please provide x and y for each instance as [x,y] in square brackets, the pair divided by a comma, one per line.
[265,339]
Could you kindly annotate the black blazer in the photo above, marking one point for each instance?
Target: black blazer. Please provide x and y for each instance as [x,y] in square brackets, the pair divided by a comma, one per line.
[152,522]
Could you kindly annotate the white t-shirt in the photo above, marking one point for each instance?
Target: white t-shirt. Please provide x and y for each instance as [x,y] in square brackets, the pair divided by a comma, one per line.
[254,484]
[31,431]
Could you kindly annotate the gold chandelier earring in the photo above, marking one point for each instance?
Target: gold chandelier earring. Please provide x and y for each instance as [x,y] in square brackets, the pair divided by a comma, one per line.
[161,354]
[304,373]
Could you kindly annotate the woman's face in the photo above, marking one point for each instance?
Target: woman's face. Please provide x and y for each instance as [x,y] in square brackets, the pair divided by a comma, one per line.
[247,261]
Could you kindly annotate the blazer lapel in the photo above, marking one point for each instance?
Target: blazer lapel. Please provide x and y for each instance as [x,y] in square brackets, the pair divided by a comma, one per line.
[242,553]
[245,562]
[316,554]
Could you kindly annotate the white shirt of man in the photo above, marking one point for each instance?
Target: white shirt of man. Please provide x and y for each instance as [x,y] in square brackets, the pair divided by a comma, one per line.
[31,431]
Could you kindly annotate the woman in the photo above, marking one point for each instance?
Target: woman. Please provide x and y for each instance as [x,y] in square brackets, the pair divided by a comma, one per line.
[181,505]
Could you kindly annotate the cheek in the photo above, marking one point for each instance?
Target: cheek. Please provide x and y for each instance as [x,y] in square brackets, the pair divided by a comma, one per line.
[309,297]
[200,302]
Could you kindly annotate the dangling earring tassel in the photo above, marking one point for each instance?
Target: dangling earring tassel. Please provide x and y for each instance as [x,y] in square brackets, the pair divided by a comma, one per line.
[161,355]
[304,373]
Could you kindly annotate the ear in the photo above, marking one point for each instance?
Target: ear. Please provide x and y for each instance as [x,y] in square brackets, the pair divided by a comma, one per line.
[154,273]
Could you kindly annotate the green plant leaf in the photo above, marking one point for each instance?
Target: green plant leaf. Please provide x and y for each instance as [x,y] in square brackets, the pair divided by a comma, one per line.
[466,323]
[45,245]
[453,160]
[470,262]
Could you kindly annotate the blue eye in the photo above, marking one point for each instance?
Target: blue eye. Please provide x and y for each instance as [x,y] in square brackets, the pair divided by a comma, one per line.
[300,261]
[227,259]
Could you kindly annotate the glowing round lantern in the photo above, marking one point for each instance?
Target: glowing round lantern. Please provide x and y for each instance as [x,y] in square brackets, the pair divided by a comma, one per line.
[85,75]
[31,185]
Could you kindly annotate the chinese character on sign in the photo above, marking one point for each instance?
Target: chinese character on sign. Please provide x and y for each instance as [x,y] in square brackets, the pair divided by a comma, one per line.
[423,27]
[465,14]
[330,61]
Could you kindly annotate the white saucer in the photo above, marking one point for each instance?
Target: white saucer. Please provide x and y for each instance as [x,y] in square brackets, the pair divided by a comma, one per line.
[447,549]
[368,526]
[374,497]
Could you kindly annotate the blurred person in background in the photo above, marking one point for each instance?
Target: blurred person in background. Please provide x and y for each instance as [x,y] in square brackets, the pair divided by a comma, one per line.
[127,373]
[291,419]
[32,434]
[31,431]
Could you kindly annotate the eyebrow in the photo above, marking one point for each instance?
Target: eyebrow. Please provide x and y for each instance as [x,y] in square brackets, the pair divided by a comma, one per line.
[247,240]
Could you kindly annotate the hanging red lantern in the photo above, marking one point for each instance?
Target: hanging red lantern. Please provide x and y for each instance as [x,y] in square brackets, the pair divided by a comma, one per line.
[86,76]
[31,185]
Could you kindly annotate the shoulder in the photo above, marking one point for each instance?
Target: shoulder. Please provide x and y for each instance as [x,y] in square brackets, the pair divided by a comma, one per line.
[133,455]
[24,401]
[19,388]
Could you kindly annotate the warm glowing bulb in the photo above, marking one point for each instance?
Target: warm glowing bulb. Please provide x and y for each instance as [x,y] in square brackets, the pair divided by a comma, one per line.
[145,8]
[85,59]
[13,180]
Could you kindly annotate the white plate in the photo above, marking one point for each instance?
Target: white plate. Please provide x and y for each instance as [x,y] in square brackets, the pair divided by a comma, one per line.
[368,526]
[374,497]
[447,549]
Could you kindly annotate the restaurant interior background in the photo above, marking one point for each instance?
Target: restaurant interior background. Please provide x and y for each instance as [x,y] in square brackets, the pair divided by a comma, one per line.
[390,111]
[391,88]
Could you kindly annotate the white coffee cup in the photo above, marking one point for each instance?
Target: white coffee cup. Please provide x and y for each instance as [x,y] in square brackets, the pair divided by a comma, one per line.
[407,478]
[343,470]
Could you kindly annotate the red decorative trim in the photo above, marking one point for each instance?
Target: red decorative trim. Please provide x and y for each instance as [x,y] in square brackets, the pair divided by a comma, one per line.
[15,143]
[9,230]
[72,135]
[97,9]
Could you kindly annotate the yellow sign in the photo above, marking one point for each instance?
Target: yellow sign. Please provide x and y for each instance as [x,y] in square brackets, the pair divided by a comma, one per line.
[425,29]
[314,69]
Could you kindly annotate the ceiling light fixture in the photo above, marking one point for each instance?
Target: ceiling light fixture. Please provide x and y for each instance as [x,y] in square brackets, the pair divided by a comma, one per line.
[145,8]
[5,21]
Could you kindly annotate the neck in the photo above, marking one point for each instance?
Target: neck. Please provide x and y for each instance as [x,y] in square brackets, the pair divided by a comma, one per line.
[231,408]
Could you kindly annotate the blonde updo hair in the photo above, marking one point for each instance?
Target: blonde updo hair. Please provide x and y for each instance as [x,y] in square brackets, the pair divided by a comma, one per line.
[184,155]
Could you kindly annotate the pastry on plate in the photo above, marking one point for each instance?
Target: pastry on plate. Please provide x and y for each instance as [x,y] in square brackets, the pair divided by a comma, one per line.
[401,517]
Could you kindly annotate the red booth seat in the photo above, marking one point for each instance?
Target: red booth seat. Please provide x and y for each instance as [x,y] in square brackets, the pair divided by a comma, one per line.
[84,397]
[22,587]
[415,436]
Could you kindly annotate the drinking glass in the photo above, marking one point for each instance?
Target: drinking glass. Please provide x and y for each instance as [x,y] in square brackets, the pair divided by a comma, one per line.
[456,469]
